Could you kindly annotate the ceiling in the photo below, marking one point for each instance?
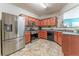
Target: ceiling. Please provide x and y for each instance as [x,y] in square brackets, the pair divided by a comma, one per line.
[40,11]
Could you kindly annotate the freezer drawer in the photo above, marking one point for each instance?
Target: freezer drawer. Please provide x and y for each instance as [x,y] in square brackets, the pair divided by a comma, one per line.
[9,46]
[21,43]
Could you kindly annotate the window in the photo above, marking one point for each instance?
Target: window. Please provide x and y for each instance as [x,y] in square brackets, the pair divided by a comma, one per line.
[71,17]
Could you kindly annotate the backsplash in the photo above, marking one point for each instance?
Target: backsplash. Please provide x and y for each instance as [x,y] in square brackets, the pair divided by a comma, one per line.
[31,28]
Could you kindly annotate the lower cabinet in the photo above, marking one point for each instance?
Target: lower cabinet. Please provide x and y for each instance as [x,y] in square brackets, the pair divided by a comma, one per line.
[70,45]
[58,37]
[42,34]
[27,37]
[55,36]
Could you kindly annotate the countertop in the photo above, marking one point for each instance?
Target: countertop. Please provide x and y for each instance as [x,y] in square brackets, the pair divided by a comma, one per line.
[67,33]
[70,33]
[32,32]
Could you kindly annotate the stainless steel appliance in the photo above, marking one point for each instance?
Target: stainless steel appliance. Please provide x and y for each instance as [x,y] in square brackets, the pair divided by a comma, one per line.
[12,39]
[50,35]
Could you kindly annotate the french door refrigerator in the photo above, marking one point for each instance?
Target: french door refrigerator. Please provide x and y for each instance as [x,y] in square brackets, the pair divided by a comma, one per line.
[11,40]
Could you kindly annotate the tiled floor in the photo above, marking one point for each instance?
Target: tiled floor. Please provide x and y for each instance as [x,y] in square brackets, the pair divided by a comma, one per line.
[41,47]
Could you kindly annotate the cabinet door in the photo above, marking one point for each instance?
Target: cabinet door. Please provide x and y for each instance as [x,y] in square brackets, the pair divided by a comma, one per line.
[55,36]
[39,23]
[70,45]
[74,45]
[66,45]
[51,22]
[45,34]
[42,23]
[42,34]
[36,22]
[26,21]
[48,22]
[27,37]
[45,22]
[59,39]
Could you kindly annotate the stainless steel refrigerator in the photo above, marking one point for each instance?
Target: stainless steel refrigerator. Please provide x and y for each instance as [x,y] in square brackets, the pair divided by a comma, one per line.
[12,40]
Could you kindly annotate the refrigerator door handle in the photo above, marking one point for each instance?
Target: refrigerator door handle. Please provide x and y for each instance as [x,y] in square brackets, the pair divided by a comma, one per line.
[16,26]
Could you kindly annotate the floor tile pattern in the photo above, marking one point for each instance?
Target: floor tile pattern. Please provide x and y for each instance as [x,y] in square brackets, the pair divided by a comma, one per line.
[41,47]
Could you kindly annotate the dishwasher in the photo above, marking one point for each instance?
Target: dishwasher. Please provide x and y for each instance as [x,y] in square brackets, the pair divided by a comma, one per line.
[34,35]
[50,35]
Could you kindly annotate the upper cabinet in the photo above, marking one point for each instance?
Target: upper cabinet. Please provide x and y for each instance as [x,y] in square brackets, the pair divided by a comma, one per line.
[26,21]
[49,21]
[30,21]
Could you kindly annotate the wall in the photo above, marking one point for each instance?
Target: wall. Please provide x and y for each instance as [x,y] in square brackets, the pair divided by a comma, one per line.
[71,17]
[12,9]
[60,13]
[65,9]
[8,8]
[74,13]
[50,15]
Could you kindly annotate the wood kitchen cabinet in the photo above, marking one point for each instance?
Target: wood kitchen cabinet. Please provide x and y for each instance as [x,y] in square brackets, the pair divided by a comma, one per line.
[45,22]
[26,21]
[58,37]
[55,36]
[49,21]
[39,23]
[34,20]
[54,21]
[27,37]
[29,20]
[42,34]
[70,45]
